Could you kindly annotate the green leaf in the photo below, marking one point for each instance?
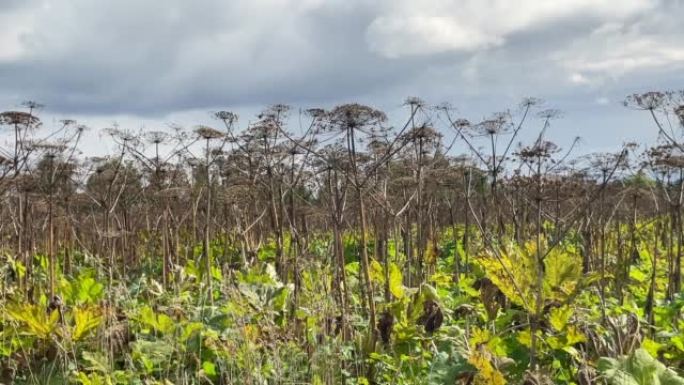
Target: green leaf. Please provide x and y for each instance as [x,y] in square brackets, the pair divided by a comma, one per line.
[640,368]
[151,353]
[678,342]
[429,292]
[98,362]
[279,298]
[191,269]
[159,322]
[216,273]
[352,268]
[637,275]
[620,377]
[605,364]
[190,329]
[90,290]
[668,377]
[209,368]
[165,324]
[17,266]
[651,346]
[85,289]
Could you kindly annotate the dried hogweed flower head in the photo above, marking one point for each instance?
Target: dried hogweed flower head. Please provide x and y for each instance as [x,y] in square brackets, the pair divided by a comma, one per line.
[226,116]
[156,137]
[423,132]
[51,149]
[355,116]
[32,105]
[16,118]
[414,102]
[462,123]
[500,123]
[679,112]
[317,113]
[206,132]
[647,101]
[542,149]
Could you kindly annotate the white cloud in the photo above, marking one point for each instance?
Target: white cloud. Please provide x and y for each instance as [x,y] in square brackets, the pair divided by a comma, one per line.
[578,78]
[415,27]
[614,51]
[415,35]
[14,26]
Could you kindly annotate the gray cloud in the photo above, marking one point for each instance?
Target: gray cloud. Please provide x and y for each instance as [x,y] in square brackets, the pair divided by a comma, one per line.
[151,58]
[120,56]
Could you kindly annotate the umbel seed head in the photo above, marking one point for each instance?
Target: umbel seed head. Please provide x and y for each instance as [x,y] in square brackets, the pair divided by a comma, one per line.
[208,133]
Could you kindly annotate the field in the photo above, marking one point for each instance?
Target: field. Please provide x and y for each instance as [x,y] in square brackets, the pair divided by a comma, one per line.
[327,247]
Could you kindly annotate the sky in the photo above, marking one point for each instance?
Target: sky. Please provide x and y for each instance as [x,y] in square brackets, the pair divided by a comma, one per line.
[145,63]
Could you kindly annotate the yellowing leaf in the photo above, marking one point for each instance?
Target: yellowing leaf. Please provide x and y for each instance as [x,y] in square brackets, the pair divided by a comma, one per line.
[396,284]
[513,270]
[377,272]
[574,336]
[85,320]
[554,342]
[479,337]
[525,338]
[487,374]
[560,316]
[37,322]
[563,271]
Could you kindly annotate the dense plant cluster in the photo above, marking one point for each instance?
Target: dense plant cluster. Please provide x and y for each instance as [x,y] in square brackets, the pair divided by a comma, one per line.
[342,251]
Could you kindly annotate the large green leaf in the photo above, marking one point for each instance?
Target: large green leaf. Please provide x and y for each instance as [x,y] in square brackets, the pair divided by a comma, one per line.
[158,322]
[639,368]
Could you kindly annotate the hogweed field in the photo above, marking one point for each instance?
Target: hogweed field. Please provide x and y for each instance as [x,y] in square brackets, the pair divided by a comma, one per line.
[326,247]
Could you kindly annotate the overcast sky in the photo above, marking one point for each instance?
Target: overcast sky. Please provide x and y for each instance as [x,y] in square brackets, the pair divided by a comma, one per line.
[144,63]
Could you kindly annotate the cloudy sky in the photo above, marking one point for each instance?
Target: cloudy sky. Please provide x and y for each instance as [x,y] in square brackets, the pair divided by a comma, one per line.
[143,63]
